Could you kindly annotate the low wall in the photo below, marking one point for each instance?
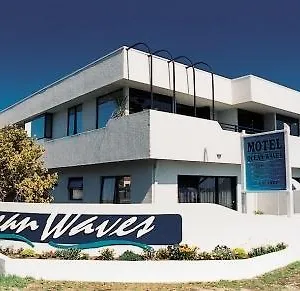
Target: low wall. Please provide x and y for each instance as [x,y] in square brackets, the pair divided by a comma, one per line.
[148,271]
[203,225]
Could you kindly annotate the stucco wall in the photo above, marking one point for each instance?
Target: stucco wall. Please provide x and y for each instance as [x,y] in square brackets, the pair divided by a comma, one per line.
[105,71]
[141,181]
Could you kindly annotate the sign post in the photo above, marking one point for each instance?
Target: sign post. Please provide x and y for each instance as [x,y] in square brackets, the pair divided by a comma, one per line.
[266,164]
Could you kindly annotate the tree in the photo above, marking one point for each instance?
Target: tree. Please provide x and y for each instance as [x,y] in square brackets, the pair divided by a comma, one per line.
[23,177]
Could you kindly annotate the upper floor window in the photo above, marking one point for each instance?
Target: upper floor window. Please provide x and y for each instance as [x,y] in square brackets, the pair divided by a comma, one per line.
[141,100]
[116,190]
[293,123]
[251,122]
[110,106]
[105,111]
[75,120]
[41,127]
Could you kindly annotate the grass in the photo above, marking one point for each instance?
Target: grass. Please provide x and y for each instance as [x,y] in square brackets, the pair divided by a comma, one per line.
[287,278]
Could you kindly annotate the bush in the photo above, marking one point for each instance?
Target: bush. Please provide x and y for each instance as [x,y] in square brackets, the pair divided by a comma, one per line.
[148,254]
[258,212]
[130,256]
[222,253]
[281,246]
[162,254]
[177,252]
[106,255]
[47,255]
[27,253]
[68,254]
[239,253]
[204,256]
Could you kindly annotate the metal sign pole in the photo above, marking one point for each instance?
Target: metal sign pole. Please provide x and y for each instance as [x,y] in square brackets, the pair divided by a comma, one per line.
[290,193]
[243,175]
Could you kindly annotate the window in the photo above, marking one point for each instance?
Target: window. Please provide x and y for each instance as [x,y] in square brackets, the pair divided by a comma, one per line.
[41,127]
[293,123]
[206,189]
[108,106]
[116,190]
[249,121]
[105,111]
[75,188]
[75,120]
[140,100]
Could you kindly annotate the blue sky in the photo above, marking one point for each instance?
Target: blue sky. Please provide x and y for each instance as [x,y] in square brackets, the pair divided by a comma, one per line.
[41,41]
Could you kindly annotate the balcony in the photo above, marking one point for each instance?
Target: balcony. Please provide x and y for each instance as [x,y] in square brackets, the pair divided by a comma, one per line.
[152,134]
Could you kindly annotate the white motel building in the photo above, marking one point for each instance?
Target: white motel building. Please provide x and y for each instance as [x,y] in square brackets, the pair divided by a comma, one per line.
[117,131]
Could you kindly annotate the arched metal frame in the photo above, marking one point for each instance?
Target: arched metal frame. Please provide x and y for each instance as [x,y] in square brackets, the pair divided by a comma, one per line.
[174,89]
[212,85]
[172,60]
[151,66]
[171,57]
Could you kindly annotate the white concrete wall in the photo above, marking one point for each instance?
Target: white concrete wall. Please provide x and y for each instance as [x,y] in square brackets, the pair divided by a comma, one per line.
[149,271]
[203,225]
[177,137]
[125,138]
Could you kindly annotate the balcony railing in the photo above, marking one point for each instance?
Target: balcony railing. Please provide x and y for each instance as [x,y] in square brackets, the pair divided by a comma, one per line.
[239,128]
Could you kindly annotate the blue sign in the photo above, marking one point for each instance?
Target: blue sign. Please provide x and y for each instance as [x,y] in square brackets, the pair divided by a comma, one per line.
[265,162]
[84,231]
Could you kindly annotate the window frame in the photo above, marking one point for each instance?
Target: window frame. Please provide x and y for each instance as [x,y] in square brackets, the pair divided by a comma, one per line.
[78,188]
[106,97]
[115,198]
[47,125]
[75,108]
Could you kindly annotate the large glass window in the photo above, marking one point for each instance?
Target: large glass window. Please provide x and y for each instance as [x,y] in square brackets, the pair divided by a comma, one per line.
[207,189]
[116,189]
[293,123]
[110,106]
[75,120]
[41,127]
[105,111]
[251,122]
[75,188]
[140,100]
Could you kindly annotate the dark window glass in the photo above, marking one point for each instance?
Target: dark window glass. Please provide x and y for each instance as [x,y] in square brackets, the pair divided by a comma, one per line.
[75,120]
[207,189]
[116,189]
[293,123]
[249,121]
[75,188]
[202,112]
[41,127]
[141,100]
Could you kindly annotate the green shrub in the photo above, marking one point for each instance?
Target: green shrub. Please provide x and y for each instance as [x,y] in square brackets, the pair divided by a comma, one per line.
[162,254]
[68,254]
[130,256]
[240,253]
[258,212]
[204,256]
[84,256]
[27,253]
[106,254]
[148,254]
[222,253]
[47,255]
